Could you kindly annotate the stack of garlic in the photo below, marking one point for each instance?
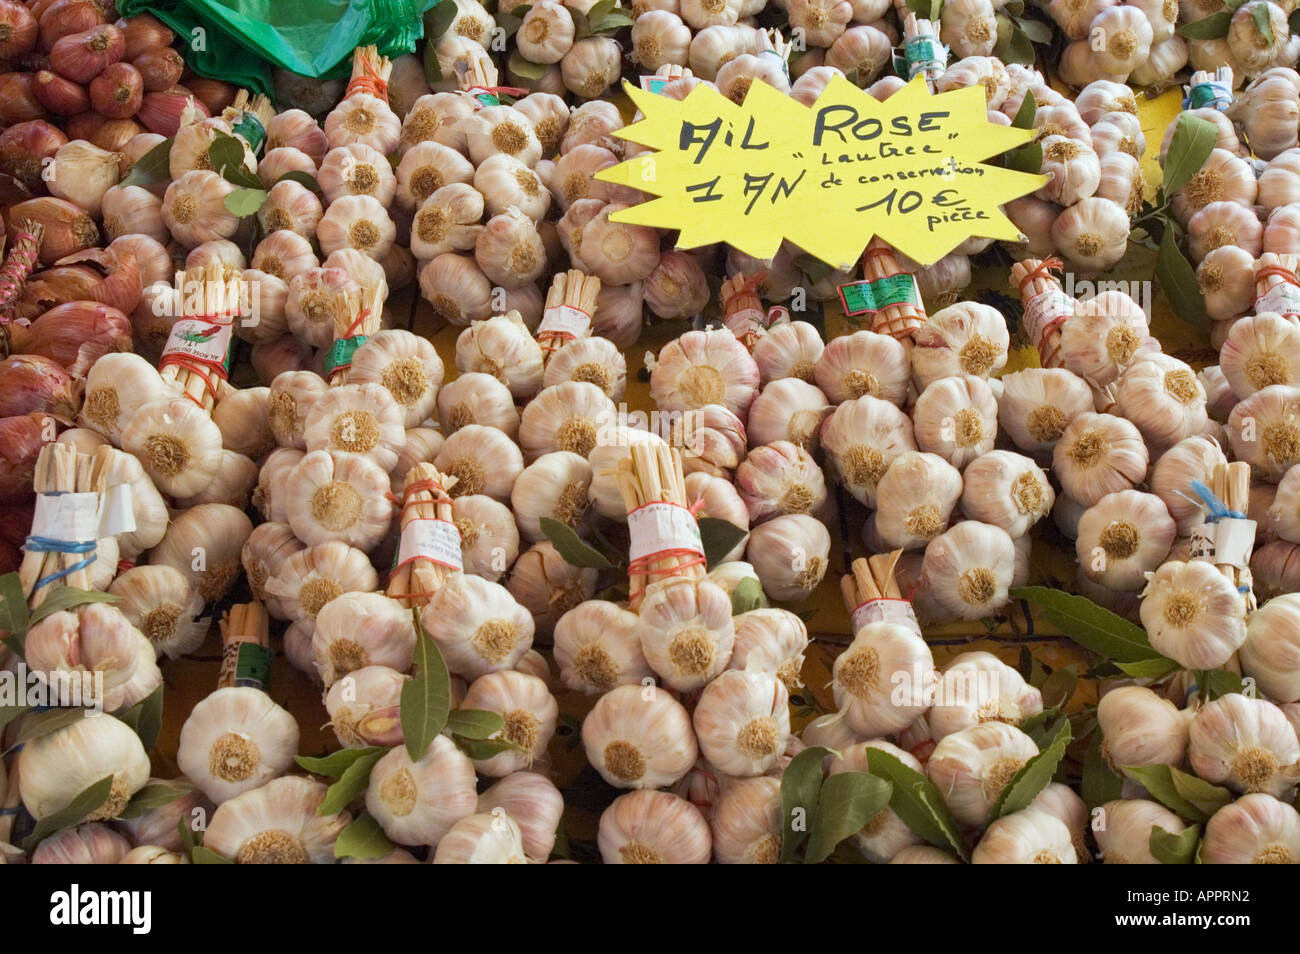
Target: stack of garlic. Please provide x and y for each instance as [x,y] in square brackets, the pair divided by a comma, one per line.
[1125,42]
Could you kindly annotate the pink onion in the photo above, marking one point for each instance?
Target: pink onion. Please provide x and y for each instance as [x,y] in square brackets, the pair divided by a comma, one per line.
[21,439]
[30,382]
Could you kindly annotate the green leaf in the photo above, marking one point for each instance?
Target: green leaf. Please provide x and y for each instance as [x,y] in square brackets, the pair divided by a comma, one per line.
[1033,775]
[1218,682]
[1178,281]
[1089,625]
[1191,145]
[66,598]
[1213,27]
[1059,687]
[245,202]
[484,748]
[571,547]
[432,68]
[39,724]
[226,150]
[206,856]
[1169,849]
[336,763]
[581,28]
[720,538]
[1100,783]
[74,813]
[351,783]
[426,696]
[155,795]
[1035,30]
[800,785]
[475,723]
[847,802]
[1025,114]
[748,595]
[1293,22]
[1027,158]
[302,178]
[917,802]
[1016,49]
[596,12]
[188,841]
[437,19]
[926,9]
[526,68]
[145,718]
[1148,668]
[612,22]
[1260,14]
[1042,728]
[521,11]
[1183,794]
[153,167]
[363,839]
[9,713]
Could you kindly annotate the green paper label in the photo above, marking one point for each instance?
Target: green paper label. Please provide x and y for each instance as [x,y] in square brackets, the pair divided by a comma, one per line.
[247,665]
[864,298]
[251,129]
[341,352]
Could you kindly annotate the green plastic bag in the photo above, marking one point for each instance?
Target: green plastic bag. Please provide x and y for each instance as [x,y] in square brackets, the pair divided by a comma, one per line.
[240,40]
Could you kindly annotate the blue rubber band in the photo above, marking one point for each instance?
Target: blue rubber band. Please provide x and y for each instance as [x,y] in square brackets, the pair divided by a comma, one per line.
[1218,510]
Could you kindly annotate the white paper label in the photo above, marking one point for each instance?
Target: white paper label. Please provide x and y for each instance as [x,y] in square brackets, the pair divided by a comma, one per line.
[1283,298]
[68,518]
[201,339]
[1043,310]
[895,611]
[566,321]
[1202,547]
[745,320]
[659,527]
[436,540]
[82,517]
[1234,538]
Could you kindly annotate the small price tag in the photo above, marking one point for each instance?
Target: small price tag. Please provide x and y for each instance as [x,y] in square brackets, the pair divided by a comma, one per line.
[68,518]
[202,340]
[866,298]
[1283,298]
[434,540]
[565,321]
[661,527]
[654,84]
[899,612]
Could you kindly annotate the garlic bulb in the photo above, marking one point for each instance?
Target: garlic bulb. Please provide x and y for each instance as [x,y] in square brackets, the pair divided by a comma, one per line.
[1007,490]
[547,33]
[863,363]
[686,631]
[235,740]
[1267,653]
[969,568]
[1092,233]
[160,602]
[361,629]
[243,419]
[977,687]
[534,803]
[1254,829]
[1163,397]
[593,360]
[1264,430]
[1246,744]
[505,182]
[1123,830]
[194,209]
[356,169]
[1122,537]
[529,711]
[291,205]
[363,707]
[284,255]
[93,844]
[276,824]
[477,398]
[1140,728]
[504,348]
[1193,458]
[310,577]
[787,409]
[702,368]
[742,722]
[1027,837]
[178,444]
[637,736]
[69,652]
[966,338]
[1261,350]
[418,802]
[333,496]
[649,827]
[788,351]
[356,420]
[923,855]
[566,417]
[1099,454]
[310,307]
[1037,404]
[204,544]
[54,768]
[482,839]
[915,499]
[357,222]
[597,648]
[478,625]
[482,459]
[780,478]
[489,538]
[771,641]
[956,418]
[118,385]
[972,767]
[746,822]
[861,438]
[291,397]
[1193,614]
[556,485]
[883,680]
